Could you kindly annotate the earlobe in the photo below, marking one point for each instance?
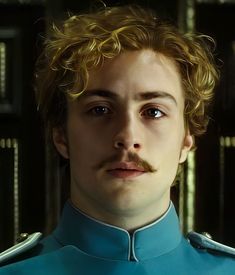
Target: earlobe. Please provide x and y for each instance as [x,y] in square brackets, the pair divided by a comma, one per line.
[187,145]
[60,142]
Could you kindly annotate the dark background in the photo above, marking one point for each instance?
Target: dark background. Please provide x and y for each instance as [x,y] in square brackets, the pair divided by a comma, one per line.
[29,179]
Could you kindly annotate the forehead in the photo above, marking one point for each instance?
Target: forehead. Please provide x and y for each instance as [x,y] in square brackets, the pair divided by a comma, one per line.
[137,71]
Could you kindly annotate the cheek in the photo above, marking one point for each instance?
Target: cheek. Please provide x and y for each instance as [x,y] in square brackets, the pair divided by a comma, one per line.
[86,143]
[166,144]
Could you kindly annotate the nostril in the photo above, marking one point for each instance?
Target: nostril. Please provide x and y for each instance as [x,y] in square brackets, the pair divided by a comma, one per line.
[120,144]
[136,145]
[127,145]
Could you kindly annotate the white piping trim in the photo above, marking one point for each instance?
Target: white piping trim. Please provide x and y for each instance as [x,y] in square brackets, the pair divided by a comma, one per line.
[133,248]
[108,225]
[156,221]
[120,228]
[131,239]
[147,226]
[98,221]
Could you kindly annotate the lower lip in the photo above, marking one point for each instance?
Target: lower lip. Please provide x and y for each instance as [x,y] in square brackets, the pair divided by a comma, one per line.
[125,174]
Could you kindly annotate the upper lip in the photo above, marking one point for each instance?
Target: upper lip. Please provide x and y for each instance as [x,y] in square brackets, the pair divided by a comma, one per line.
[125,166]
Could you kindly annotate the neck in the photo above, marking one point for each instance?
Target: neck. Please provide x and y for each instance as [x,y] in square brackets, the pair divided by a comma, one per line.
[130,219]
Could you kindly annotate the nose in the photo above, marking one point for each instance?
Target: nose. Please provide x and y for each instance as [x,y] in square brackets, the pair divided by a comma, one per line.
[127,134]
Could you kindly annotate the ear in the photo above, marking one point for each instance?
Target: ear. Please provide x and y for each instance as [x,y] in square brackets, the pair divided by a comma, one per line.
[186,146]
[60,142]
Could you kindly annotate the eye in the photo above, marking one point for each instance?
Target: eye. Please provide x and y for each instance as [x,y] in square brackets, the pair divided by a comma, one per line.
[153,113]
[100,110]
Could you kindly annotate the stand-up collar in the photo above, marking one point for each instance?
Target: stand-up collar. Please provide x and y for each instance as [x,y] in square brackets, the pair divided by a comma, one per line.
[106,241]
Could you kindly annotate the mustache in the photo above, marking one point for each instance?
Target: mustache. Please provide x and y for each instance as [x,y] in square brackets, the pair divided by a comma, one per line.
[131,157]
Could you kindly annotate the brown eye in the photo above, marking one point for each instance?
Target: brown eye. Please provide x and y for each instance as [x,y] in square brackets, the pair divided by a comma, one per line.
[100,110]
[153,113]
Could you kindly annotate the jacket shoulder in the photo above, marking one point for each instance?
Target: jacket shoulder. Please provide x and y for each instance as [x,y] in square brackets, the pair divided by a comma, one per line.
[205,242]
[25,244]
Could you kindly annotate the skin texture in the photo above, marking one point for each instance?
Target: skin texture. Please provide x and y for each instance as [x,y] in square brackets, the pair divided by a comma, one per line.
[125,138]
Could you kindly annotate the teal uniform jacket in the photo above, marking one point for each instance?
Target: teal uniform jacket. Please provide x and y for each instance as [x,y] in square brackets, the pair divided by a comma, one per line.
[82,245]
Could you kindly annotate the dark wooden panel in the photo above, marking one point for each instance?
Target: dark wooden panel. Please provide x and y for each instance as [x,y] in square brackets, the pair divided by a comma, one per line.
[229,193]
[10,70]
[20,26]
[6,194]
[215,164]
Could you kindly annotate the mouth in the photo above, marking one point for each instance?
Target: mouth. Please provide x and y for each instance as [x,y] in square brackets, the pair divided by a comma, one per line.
[125,170]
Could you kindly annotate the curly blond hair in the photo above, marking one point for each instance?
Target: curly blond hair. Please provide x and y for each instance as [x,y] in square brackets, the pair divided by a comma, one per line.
[83,42]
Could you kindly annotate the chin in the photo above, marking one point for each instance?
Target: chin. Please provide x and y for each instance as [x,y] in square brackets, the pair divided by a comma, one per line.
[127,202]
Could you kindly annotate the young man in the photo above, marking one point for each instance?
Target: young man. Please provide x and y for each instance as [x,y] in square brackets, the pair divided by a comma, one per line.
[122,95]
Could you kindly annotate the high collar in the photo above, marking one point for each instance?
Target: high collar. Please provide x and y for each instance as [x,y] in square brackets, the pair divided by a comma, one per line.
[106,241]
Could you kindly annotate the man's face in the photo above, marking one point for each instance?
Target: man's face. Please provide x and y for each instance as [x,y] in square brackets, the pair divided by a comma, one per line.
[125,136]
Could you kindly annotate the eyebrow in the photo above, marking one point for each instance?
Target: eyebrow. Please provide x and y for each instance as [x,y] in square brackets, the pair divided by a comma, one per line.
[156,94]
[139,97]
[101,93]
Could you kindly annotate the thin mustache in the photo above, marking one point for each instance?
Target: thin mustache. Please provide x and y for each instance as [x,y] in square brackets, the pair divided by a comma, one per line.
[131,157]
